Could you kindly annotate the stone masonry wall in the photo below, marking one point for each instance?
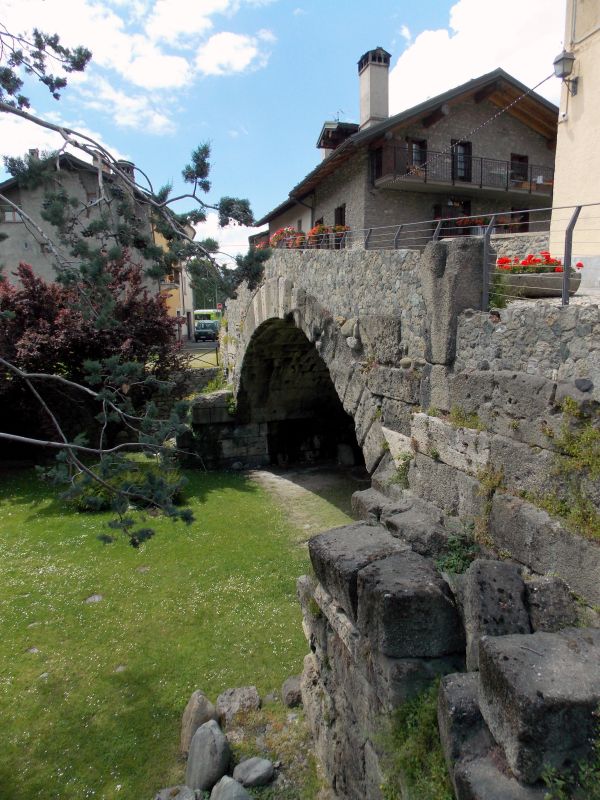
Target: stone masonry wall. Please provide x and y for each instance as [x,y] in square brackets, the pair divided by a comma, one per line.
[354,282]
[460,417]
[559,344]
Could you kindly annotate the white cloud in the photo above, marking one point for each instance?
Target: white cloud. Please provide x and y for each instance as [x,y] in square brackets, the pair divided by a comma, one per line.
[521,37]
[172,20]
[226,53]
[139,112]
[298,12]
[405,33]
[19,135]
[233,239]
[146,44]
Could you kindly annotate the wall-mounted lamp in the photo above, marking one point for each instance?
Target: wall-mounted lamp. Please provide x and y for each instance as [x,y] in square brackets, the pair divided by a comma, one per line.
[563,67]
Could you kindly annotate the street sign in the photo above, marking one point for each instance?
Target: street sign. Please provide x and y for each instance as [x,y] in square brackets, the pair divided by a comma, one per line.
[219,306]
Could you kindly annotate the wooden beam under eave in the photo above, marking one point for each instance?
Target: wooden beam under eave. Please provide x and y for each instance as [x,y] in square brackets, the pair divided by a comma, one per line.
[435,116]
[484,93]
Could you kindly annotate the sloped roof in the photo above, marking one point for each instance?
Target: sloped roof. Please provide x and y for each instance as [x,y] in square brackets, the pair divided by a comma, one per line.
[498,87]
[65,160]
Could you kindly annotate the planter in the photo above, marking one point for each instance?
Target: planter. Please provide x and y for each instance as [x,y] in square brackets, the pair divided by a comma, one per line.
[544,284]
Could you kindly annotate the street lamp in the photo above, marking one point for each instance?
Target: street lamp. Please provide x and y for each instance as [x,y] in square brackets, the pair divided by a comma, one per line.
[563,67]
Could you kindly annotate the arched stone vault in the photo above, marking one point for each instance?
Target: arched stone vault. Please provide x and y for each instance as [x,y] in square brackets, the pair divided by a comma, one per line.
[286,334]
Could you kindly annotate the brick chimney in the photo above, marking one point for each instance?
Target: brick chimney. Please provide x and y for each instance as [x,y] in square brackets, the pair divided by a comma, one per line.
[373,71]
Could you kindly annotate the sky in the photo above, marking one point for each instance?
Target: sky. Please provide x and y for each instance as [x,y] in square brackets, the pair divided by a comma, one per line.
[257,79]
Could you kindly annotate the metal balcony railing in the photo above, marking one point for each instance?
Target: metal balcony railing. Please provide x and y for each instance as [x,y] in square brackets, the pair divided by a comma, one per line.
[402,164]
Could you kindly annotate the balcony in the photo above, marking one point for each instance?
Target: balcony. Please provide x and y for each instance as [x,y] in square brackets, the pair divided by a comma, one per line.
[396,170]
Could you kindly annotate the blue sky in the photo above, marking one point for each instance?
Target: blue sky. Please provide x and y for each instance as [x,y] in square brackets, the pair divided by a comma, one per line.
[257,78]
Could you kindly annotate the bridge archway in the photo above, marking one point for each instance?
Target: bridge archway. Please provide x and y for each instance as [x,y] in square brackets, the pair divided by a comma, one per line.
[296,374]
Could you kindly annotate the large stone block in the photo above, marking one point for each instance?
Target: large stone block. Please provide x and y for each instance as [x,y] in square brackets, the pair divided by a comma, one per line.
[551,606]
[417,522]
[524,467]
[406,610]
[398,444]
[367,505]
[493,604]
[395,383]
[539,694]
[465,449]
[435,387]
[397,680]
[396,414]
[451,278]
[373,446]
[210,409]
[366,413]
[381,337]
[487,778]
[534,538]
[338,555]
[463,732]
[453,491]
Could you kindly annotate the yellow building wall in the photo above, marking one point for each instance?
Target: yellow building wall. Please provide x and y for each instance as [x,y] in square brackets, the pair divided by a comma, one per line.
[577,172]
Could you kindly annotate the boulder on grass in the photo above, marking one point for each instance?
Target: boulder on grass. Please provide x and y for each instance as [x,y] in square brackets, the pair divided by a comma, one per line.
[209,757]
[254,772]
[228,789]
[236,701]
[176,793]
[198,711]
[290,692]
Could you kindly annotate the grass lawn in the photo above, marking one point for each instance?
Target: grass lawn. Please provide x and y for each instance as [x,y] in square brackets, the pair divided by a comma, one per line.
[91,694]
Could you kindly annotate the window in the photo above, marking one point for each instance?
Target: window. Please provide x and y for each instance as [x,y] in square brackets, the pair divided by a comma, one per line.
[90,197]
[319,221]
[9,214]
[519,221]
[376,164]
[339,215]
[519,167]
[417,152]
[462,159]
[299,225]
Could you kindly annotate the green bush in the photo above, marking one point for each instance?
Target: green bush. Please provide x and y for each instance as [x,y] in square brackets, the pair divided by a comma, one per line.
[145,479]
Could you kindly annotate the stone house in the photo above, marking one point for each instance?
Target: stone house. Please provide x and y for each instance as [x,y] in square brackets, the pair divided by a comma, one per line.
[80,181]
[455,155]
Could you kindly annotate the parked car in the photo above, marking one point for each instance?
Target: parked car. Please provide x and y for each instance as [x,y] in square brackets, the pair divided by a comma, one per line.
[206,330]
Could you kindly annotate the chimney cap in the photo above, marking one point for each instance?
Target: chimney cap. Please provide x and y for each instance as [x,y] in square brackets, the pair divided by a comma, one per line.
[377,56]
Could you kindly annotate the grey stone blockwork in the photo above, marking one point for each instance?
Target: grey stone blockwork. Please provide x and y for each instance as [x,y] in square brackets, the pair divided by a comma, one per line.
[463,436]
[538,339]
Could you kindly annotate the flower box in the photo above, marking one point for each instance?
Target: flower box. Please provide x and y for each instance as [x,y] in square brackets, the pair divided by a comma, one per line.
[541,284]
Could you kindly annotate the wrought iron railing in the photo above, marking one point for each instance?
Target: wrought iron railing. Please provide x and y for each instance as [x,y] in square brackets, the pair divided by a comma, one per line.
[499,231]
[399,163]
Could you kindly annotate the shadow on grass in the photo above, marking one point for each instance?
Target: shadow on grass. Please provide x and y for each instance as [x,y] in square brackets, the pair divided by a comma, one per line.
[89,744]
[23,486]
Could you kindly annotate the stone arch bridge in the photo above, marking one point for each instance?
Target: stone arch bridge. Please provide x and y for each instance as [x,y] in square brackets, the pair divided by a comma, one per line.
[458,415]
[324,357]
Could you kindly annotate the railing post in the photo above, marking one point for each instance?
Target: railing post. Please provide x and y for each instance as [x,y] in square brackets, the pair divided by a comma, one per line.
[398,232]
[568,254]
[485,283]
[367,237]
[436,233]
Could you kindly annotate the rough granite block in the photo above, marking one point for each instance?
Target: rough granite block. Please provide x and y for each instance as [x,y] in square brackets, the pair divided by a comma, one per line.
[406,610]
[539,694]
[338,555]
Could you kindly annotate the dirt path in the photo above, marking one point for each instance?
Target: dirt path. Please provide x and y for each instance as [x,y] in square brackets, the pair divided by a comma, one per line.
[313,498]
